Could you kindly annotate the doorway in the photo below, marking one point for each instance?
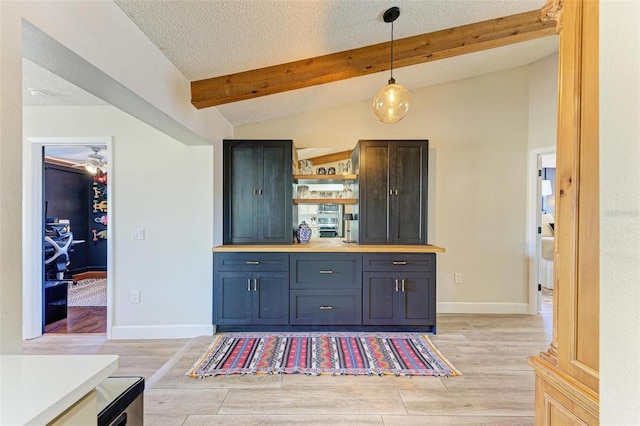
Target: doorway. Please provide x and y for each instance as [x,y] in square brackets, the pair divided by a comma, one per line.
[34,269]
[75,189]
[541,227]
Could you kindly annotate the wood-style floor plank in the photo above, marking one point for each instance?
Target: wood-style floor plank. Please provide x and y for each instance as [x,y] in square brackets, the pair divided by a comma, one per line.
[496,386]
[81,319]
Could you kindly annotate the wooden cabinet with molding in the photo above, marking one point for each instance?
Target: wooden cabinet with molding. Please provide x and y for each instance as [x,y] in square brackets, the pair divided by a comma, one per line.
[567,374]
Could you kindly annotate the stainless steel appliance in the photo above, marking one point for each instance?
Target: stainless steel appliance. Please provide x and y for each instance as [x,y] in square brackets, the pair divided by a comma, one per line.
[120,401]
[330,220]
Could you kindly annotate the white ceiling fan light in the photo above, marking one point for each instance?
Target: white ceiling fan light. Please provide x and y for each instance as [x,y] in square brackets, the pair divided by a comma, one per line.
[95,163]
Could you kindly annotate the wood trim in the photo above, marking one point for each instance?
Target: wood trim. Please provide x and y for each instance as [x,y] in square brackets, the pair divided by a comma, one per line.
[553,11]
[572,388]
[324,178]
[370,59]
[325,201]
[331,158]
[327,245]
[89,274]
[569,369]
[61,162]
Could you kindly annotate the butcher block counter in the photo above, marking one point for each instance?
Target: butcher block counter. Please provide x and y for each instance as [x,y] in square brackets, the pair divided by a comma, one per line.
[329,245]
[325,285]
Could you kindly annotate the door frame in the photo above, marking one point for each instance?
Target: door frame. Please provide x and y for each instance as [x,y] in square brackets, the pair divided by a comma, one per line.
[534,206]
[32,220]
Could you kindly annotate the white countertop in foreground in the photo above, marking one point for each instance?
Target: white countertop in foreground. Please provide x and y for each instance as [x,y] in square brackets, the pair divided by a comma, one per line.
[35,389]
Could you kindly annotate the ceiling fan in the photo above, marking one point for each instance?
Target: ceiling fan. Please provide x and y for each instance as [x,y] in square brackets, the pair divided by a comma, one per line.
[95,163]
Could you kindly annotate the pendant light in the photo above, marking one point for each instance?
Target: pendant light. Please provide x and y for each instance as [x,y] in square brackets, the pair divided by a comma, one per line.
[392,102]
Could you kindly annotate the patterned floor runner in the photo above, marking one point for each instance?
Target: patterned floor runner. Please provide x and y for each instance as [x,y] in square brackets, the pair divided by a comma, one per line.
[323,353]
[89,292]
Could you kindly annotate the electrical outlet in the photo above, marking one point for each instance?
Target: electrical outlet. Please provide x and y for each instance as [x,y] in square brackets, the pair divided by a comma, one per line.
[457,277]
[134,296]
[137,234]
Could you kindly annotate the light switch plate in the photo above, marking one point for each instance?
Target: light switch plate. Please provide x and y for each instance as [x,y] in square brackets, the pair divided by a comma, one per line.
[137,233]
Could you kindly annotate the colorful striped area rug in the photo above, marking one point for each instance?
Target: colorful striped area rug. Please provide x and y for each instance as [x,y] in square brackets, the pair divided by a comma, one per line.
[323,353]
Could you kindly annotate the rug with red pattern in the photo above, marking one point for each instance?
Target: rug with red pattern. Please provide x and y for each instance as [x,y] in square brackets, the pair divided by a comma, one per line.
[323,353]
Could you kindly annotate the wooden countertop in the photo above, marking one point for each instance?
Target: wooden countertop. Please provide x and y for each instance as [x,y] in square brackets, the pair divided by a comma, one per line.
[328,245]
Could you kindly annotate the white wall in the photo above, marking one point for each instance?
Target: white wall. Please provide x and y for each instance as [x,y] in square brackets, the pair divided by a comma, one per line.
[102,35]
[478,133]
[619,213]
[164,187]
[543,102]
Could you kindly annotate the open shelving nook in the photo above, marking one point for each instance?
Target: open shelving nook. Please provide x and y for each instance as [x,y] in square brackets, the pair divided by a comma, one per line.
[324,179]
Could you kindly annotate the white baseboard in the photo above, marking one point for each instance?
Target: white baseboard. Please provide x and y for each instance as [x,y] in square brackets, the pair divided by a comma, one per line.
[482,308]
[161,331]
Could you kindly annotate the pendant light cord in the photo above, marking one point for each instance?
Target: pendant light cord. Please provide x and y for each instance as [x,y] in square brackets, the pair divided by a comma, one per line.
[392,50]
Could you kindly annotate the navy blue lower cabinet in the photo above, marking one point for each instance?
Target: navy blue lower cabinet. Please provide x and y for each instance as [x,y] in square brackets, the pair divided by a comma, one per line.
[321,307]
[399,289]
[394,298]
[251,298]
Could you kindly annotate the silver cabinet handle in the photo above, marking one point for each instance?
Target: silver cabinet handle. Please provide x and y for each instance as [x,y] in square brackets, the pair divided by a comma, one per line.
[399,262]
[391,192]
[395,192]
[255,192]
[396,280]
[248,284]
[255,284]
[326,271]
[403,280]
[326,308]
[252,262]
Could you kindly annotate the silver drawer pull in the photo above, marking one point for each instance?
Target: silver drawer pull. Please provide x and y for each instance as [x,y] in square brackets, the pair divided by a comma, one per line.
[251,262]
[326,308]
[327,271]
[399,262]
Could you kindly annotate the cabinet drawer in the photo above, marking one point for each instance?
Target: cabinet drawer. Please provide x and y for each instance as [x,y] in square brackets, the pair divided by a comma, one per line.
[314,271]
[319,307]
[398,262]
[249,261]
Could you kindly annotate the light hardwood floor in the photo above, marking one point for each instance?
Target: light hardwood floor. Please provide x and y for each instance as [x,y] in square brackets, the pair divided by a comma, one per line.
[496,388]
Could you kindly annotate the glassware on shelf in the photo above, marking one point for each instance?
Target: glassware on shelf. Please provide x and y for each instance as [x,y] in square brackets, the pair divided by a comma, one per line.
[306,167]
[346,190]
[303,191]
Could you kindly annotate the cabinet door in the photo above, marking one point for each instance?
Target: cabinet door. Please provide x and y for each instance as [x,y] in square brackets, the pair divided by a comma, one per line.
[240,201]
[408,182]
[232,294]
[417,298]
[271,298]
[379,304]
[374,192]
[274,209]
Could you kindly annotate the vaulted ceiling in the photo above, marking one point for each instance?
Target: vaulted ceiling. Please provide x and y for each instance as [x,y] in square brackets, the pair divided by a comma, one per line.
[220,38]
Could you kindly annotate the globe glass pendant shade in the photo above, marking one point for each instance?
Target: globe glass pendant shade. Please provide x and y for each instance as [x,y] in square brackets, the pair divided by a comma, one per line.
[391,103]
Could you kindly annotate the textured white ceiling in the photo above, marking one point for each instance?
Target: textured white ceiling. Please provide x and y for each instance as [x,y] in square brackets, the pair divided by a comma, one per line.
[60,91]
[209,38]
[206,39]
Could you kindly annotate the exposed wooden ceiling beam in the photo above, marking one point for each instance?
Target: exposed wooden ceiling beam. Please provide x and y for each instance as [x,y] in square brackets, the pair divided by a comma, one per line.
[331,158]
[370,59]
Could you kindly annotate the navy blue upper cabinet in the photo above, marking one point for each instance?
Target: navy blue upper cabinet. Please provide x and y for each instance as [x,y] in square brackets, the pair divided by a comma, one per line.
[257,192]
[393,191]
